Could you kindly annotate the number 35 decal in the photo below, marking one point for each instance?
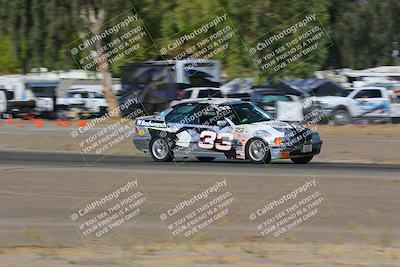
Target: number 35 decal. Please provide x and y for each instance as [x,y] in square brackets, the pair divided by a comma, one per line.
[207,140]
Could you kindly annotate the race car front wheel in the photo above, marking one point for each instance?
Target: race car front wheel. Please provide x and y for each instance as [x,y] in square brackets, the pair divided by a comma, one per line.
[160,150]
[257,150]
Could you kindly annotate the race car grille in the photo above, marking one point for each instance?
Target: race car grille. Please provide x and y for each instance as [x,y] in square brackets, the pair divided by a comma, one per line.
[297,139]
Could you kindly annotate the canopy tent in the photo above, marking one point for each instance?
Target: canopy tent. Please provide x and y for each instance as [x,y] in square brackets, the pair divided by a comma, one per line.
[199,78]
[317,87]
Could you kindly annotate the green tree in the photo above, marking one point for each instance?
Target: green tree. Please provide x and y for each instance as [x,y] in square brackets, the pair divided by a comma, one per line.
[8,62]
[363,32]
[40,30]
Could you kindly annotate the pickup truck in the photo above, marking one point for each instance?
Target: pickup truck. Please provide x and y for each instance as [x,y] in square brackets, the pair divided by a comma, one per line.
[82,102]
[370,103]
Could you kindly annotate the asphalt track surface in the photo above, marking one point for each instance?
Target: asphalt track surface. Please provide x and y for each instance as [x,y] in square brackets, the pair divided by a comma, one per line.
[38,188]
[70,159]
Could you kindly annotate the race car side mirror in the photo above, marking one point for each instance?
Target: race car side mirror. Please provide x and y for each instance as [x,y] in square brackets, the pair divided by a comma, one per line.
[222,123]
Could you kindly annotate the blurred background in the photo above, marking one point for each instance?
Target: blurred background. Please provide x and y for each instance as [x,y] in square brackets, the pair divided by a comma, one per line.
[40,76]
[348,89]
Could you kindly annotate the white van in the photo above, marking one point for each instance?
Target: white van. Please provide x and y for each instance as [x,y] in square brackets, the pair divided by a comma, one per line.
[3,103]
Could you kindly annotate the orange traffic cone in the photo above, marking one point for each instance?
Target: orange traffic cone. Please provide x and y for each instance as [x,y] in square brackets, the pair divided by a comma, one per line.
[10,120]
[39,123]
[81,123]
[59,122]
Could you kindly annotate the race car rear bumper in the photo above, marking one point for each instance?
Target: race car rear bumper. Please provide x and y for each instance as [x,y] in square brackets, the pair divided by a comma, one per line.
[142,143]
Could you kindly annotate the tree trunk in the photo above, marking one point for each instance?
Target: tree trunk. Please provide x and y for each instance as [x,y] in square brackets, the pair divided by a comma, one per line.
[96,19]
[107,81]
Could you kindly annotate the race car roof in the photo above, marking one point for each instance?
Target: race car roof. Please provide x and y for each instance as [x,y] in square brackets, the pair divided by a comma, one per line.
[216,101]
[202,88]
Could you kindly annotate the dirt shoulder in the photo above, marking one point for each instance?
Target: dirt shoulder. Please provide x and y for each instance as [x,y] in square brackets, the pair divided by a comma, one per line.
[240,254]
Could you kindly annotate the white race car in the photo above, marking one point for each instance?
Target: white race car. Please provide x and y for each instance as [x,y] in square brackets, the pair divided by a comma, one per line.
[223,128]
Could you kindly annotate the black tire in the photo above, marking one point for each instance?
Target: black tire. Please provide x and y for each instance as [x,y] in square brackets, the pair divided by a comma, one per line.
[302,160]
[163,156]
[266,158]
[341,116]
[205,159]
[102,111]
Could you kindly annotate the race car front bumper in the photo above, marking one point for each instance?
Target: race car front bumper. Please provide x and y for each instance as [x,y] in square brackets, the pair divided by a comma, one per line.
[295,152]
[316,149]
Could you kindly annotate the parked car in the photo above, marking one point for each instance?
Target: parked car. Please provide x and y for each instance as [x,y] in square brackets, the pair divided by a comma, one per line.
[194,93]
[267,99]
[83,102]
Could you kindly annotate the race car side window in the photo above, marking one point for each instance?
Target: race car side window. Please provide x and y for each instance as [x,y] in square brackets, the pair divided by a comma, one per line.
[208,115]
[245,113]
[183,114]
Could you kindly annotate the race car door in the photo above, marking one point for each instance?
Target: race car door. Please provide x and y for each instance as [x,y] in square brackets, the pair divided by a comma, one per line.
[215,132]
[183,120]
[198,130]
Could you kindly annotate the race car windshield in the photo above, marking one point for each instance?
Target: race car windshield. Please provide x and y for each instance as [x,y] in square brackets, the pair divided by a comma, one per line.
[246,113]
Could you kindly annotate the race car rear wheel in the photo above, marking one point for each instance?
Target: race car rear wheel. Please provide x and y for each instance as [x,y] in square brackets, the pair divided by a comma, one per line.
[302,160]
[160,150]
[205,159]
[257,150]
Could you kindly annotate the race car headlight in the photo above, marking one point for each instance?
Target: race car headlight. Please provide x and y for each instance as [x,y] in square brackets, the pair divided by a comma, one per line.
[315,136]
[278,141]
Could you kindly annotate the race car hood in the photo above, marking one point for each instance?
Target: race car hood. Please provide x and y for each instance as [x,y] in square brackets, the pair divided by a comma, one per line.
[269,130]
[279,126]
